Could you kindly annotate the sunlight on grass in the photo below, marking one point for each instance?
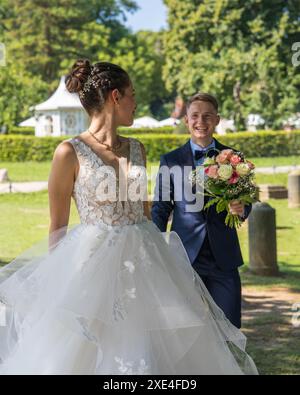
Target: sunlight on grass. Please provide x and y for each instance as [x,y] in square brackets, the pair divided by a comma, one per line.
[24,220]
[27,171]
[276,161]
[288,248]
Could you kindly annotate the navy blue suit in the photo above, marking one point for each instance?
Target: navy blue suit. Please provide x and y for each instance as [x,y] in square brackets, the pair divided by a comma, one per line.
[213,247]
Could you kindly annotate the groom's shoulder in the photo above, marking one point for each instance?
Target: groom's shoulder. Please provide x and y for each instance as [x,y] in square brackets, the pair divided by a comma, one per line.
[221,146]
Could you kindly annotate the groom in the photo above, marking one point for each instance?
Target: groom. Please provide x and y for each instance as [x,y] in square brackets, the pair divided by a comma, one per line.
[213,247]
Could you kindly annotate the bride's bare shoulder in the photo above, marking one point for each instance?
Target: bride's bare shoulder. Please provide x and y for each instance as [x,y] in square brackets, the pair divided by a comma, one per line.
[65,152]
[64,168]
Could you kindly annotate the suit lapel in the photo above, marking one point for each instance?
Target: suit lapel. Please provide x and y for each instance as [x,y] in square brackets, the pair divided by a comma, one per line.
[186,156]
[220,146]
[186,161]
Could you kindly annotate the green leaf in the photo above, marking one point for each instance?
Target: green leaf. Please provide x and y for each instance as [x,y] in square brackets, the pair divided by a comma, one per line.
[221,206]
[211,202]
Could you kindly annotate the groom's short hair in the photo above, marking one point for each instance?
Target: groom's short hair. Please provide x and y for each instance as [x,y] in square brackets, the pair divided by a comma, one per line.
[203,97]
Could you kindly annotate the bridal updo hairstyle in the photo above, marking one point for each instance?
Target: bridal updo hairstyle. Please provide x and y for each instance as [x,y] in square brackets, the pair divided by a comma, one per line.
[93,83]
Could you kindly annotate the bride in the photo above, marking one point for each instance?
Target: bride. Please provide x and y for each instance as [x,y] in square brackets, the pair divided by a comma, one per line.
[111,295]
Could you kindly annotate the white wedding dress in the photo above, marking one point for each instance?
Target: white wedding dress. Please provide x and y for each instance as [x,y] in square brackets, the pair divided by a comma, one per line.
[115,296]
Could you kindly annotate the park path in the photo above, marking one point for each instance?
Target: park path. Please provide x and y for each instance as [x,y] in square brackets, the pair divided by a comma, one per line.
[276,169]
[271,322]
[23,187]
[275,301]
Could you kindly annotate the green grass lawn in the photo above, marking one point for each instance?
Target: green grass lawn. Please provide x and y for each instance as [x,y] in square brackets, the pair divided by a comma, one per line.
[24,220]
[288,249]
[276,161]
[27,171]
[273,342]
[276,179]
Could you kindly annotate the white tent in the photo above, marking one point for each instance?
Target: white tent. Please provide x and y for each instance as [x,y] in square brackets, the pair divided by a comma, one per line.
[224,125]
[254,121]
[62,114]
[293,121]
[30,122]
[146,122]
[169,122]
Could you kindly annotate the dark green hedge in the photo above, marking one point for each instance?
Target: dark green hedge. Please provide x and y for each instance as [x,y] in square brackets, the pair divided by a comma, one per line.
[259,144]
[135,131]
[27,148]
[253,144]
[22,130]
[264,143]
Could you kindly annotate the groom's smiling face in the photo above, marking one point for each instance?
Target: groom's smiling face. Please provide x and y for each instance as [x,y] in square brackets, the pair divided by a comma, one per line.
[202,119]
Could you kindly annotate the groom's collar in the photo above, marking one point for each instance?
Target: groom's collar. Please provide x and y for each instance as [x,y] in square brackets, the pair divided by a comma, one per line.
[186,154]
[196,147]
[186,148]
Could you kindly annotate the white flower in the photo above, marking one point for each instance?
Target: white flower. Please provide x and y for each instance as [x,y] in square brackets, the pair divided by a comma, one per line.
[143,368]
[243,169]
[131,293]
[225,172]
[132,367]
[125,367]
[130,266]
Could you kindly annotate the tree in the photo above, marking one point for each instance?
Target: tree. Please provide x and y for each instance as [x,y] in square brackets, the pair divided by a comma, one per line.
[19,91]
[226,47]
[45,35]
[141,55]
[44,38]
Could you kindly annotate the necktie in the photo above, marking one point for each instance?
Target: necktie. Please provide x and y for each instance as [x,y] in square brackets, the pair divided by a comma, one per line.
[200,154]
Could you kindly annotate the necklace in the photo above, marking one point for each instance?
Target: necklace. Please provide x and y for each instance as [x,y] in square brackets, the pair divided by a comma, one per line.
[113,148]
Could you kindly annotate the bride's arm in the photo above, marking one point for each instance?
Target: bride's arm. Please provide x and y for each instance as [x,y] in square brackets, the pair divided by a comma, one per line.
[60,187]
[146,203]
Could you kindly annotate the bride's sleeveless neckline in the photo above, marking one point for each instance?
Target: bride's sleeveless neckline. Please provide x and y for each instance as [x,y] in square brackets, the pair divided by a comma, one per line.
[94,176]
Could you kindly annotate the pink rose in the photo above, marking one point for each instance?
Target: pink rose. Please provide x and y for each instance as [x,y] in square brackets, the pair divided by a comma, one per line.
[212,171]
[234,178]
[235,160]
[224,156]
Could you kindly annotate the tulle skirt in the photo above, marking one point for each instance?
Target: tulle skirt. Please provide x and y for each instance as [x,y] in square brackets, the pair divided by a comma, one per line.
[113,300]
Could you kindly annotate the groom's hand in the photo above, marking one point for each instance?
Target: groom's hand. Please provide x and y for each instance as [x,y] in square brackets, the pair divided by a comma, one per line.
[237,208]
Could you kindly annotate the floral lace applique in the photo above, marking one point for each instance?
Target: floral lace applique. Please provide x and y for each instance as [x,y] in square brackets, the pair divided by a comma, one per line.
[132,367]
[86,331]
[119,311]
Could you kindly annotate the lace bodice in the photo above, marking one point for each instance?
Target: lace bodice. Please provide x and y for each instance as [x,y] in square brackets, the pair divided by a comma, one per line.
[96,189]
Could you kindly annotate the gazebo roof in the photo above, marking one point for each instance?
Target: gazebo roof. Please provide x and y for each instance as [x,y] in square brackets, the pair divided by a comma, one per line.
[169,122]
[145,122]
[30,122]
[61,98]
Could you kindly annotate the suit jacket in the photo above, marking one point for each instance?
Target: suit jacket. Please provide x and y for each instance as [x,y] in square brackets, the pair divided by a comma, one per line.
[192,227]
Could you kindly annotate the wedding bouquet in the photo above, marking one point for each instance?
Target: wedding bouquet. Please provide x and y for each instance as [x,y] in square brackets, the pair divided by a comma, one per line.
[228,176]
